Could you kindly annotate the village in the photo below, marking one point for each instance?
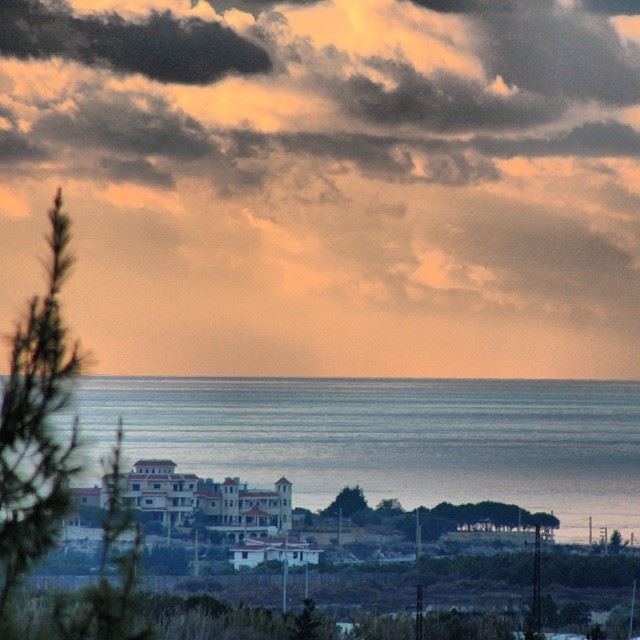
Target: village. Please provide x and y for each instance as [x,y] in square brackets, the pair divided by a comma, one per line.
[261,525]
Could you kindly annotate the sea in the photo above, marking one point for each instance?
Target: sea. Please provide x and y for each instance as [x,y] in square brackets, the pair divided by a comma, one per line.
[567,447]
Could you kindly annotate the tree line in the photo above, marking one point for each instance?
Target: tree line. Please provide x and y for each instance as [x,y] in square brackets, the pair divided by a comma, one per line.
[352,503]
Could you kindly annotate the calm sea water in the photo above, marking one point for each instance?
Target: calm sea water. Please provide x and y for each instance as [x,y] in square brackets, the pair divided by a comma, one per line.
[564,446]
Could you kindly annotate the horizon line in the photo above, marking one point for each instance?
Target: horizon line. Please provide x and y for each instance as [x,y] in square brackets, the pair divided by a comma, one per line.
[346,377]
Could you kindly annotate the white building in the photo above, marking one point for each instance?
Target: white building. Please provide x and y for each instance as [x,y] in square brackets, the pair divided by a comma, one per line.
[255,551]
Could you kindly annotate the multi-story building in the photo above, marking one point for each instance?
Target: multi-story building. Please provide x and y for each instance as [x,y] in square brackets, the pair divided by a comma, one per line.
[240,512]
[156,489]
[231,507]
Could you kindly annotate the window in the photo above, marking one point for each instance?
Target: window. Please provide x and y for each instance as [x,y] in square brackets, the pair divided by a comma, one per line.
[284,503]
[135,486]
[245,555]
[157,485]
[175,487]
[148,501]
[84,500]
[190,486]
[295,555]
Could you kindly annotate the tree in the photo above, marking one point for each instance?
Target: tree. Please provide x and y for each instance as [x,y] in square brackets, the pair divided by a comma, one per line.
[596,632]
[574,613]
[549,610]
[350,500]
[615,542]
[106,610]
[390,507]
[306,624]
[35,468]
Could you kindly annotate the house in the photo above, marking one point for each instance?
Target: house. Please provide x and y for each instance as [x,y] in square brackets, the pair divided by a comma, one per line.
[88,496]
[240,512]
[157,490]
[230,508]
[255,551]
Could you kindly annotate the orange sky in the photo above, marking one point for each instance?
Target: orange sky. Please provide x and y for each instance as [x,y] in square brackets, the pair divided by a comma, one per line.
[372,188]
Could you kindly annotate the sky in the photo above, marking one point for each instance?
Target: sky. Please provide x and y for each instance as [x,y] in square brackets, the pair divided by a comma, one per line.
[437,188]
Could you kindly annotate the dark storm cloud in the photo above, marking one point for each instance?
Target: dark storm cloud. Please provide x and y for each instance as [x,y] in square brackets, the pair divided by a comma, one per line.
[552,50]
[387,158]
[451,6]
[15,147]
[254,7]
[442,103]
[119,125]
[129,130]
[592,139]
[613,7]
[161,47]
[138,170]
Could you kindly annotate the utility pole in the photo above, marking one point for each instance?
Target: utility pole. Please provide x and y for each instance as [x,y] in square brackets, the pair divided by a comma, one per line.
[590,531]
[633,606]
[306,580]
[419,609]
[196,563]
[419,602]
[536,609]
[340,526]
[604,534]
[169,531]
[285,572]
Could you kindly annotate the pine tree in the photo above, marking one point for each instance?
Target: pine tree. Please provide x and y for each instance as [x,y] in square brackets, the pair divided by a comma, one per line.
[35,468]
[306,623]
[106,610]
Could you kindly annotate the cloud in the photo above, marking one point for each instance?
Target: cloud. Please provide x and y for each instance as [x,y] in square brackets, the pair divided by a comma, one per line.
[160,47]
[441,103]
[254,7]
[384,157]
[551,49]
[138,170]
[453,6]
[15,147]
[127,124]
[613,7]
[607,138]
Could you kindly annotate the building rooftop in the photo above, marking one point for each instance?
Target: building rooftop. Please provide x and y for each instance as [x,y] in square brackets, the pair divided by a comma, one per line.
[256,493]
[259,544]
[283,480]
[153,462]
